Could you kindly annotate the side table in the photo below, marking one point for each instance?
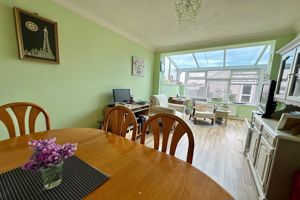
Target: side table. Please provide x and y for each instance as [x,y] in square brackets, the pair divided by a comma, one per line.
[222,114]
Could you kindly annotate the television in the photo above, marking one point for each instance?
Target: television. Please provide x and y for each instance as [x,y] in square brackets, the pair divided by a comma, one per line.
[266,101]
[121,95]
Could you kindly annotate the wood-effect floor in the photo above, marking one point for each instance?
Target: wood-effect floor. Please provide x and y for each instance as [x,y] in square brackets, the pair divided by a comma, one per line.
[219,153]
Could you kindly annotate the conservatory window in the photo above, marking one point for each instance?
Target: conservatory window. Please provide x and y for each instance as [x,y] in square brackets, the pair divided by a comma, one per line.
[230,73]
[217,90]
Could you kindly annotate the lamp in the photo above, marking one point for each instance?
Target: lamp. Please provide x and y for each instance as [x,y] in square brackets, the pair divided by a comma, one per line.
[187,10]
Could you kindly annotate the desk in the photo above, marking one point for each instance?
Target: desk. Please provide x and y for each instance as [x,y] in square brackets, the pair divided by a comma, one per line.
[137,172]
[137,110]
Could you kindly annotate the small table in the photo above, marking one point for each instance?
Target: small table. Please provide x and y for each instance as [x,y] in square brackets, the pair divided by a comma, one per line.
[176,100]
[137,172]
[222,114]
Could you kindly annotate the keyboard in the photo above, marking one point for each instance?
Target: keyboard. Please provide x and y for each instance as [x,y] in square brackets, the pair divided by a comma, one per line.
[140,102]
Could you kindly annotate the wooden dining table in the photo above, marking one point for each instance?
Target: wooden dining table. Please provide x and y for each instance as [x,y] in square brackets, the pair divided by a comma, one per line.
[136,171]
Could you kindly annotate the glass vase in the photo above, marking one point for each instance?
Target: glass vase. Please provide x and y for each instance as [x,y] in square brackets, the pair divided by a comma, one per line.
[52,176]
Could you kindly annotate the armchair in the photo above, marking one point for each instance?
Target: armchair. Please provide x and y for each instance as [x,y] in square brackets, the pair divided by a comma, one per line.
[202,110]
[159,104]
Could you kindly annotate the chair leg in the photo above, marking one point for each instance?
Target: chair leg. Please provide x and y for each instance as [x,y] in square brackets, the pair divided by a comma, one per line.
[212,121]
[190,116]
[139,129]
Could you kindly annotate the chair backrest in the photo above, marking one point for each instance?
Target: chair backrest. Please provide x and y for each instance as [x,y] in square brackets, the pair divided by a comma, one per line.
[118,119]
[159,100]
[168,123]
[202,106]
[20,109]
[202,99]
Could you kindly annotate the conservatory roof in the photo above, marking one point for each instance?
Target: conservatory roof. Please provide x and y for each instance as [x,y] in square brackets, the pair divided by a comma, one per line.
[254,55]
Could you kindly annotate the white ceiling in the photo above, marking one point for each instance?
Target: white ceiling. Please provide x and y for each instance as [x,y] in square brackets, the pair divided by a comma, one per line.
[153,23]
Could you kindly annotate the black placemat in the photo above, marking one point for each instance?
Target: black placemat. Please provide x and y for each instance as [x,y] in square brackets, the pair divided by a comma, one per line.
[79,179]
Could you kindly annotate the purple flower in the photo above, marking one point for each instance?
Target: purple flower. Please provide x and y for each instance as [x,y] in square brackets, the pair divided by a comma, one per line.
[47,153]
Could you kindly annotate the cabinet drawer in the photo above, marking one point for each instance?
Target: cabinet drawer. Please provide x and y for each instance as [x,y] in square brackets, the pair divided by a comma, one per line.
[270,138]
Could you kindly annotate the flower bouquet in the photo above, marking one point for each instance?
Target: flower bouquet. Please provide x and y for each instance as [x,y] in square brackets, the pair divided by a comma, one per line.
[48,157]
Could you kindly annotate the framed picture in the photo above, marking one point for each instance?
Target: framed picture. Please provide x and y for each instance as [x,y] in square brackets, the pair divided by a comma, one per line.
[137,66]
[36,36]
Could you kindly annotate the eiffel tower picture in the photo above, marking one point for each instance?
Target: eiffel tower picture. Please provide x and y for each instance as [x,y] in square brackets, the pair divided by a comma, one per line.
[46,46]
[44,52]
[37,37]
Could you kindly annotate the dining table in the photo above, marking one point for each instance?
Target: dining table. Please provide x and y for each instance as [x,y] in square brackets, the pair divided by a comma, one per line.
[136,171]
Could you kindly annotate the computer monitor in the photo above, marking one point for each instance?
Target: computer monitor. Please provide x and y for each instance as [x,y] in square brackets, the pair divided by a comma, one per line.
[121,95]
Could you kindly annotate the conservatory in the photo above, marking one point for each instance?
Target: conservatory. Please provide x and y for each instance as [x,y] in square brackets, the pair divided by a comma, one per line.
[232,73]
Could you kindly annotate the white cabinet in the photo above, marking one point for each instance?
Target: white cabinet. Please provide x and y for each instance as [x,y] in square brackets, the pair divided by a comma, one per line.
[255,138]
[263,163]
[288,81]
[273,157]
[293,93]
[286,66]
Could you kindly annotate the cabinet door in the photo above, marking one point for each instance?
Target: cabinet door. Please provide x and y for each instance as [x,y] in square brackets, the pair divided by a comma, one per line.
[294,86]
[253,145]
[284,74]
[248,130]
[263,163]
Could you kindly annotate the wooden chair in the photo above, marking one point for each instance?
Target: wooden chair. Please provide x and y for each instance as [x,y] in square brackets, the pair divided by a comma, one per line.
[169,122]
[118,119]
[19,109]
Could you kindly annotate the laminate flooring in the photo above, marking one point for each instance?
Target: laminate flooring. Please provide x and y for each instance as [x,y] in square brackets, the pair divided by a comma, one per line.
[219,153]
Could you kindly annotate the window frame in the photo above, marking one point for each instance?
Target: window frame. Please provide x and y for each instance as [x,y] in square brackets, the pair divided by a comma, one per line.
[228,80]
[246,95]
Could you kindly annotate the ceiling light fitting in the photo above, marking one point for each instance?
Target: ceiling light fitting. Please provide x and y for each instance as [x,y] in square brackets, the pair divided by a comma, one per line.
[187,10]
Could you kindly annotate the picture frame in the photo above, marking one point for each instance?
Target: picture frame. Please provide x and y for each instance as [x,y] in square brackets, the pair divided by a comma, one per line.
[37,37]
[138,67]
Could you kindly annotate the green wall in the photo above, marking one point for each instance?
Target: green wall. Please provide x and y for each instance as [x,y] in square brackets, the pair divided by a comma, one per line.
[244,111]
[93,61]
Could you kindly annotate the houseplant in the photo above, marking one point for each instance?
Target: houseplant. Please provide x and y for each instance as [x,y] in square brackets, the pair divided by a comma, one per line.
[48,158]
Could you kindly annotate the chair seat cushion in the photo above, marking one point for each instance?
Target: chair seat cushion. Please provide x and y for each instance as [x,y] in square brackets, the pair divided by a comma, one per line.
[204,114]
